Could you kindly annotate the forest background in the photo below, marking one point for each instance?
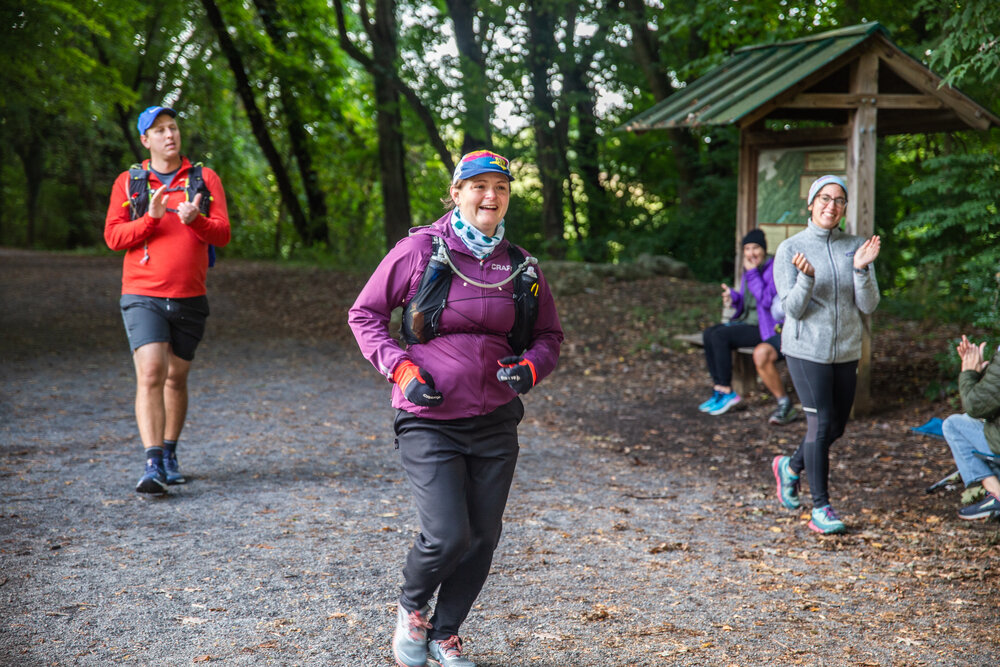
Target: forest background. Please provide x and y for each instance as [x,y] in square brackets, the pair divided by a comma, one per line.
[335,125]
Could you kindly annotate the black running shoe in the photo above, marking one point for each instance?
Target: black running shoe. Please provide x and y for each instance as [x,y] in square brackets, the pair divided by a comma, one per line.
[987,507]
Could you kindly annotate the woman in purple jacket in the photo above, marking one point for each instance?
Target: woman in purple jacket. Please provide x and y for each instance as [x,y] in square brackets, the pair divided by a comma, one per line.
[456,400]
[757,323]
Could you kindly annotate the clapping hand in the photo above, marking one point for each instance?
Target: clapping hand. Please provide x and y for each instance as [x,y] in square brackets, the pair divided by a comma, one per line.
[158,203]
[188,210]
[803,265]
[867,253]
[971,355]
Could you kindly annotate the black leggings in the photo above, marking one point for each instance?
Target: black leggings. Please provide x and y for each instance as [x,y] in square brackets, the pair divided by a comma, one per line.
[720,341]
[827,394]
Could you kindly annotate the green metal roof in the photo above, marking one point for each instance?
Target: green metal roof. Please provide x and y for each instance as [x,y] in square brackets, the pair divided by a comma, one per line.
[751,77]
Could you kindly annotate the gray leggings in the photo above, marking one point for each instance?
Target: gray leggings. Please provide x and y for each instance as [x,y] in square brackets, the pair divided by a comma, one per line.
[827,394]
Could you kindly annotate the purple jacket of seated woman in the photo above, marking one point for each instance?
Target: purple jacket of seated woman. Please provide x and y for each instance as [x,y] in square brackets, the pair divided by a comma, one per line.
[760,282]
[473,326]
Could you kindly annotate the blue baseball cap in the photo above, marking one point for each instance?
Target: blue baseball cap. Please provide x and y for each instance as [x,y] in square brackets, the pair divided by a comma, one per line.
[147,117]
[481,162]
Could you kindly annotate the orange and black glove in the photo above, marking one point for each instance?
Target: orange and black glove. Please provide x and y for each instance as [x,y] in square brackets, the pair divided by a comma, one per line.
[518,373]
[417,385]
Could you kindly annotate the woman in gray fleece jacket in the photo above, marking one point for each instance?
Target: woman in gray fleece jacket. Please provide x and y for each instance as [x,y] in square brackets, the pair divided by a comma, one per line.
[825,283]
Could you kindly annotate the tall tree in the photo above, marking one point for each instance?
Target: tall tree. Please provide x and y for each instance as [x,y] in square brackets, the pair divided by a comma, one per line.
[475,82]
[308,230]
[647,52]
[587,143]
[49,80]
[291,87]
[382,65]
[540,20]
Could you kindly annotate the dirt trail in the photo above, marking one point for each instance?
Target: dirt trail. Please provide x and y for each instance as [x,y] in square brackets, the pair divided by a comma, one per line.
[637,534]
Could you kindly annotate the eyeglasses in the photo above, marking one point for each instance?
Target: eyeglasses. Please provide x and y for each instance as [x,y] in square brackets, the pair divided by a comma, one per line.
[826,199]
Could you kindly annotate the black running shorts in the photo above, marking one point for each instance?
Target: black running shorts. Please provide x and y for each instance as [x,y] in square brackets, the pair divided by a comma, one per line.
[150,319]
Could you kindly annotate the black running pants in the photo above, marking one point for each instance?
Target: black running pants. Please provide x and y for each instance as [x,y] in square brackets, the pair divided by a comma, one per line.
[827,394]
[460,471]
[720,341]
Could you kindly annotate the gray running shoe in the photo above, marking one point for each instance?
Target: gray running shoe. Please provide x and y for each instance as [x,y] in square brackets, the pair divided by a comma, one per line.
[784,414]
[448,653]
[409,641]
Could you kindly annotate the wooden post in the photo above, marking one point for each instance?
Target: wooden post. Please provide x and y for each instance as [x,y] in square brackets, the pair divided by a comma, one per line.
[746,199]
[861,149]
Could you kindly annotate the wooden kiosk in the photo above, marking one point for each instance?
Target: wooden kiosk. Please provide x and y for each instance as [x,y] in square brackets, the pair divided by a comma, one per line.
[809,107]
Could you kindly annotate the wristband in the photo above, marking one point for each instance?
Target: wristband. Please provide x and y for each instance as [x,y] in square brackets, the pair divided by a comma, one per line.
[861,272]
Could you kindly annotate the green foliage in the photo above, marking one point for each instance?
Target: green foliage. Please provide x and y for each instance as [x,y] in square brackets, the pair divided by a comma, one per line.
[76,75]
[970,47]
[952,240]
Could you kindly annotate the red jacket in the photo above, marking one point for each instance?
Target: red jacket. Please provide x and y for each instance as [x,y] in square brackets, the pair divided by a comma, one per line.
[178,253]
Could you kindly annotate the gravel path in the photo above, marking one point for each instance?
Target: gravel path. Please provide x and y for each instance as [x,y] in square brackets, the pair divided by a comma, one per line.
[285,546]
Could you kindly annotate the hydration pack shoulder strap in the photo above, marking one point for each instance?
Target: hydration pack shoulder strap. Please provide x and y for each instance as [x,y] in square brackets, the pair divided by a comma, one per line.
[422,315]
[139,191]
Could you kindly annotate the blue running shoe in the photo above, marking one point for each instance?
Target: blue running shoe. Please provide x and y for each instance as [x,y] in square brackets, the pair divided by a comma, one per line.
[825,520]
[788,482]
[172,468]
[153,481]
[726,401]
[710,403]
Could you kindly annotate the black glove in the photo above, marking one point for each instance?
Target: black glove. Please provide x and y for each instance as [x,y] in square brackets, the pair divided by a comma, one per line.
[518,373]
[417,385]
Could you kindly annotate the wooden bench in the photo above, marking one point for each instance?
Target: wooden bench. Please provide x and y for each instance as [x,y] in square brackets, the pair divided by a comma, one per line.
[744,370]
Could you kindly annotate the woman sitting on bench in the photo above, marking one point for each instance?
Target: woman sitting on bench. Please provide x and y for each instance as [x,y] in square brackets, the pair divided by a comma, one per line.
[754,324]
[979,385]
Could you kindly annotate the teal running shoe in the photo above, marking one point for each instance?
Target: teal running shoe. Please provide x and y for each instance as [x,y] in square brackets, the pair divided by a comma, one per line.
[825,520]
[709,405]
[726,401]
[788,482]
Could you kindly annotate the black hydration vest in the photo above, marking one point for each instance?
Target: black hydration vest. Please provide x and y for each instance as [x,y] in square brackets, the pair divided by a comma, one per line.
[422,315]
[139,192]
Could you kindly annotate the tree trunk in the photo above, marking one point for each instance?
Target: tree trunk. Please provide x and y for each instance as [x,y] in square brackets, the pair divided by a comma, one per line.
[297,135]
[32,154]
[647,52]
[475,83]
[389,123]
[388,117]
[540,21]
[259,127]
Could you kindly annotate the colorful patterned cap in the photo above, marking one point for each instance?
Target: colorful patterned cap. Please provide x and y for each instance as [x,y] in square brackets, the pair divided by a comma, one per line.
[480,162]
[824,180]
[148,117]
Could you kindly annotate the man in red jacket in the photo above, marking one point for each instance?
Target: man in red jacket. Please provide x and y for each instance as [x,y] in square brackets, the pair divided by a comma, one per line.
[166,237]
